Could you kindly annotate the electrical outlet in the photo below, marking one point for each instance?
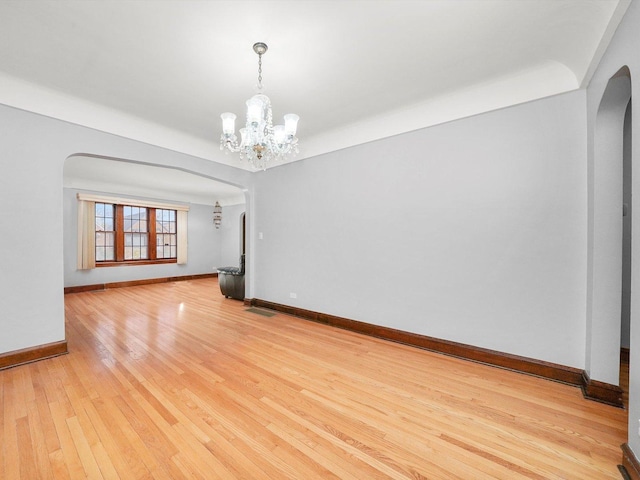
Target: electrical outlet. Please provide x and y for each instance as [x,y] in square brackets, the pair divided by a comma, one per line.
[293,295]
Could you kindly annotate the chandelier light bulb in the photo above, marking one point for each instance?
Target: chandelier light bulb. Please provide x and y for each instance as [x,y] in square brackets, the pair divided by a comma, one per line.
[260,141]
[228,123]
[291,123]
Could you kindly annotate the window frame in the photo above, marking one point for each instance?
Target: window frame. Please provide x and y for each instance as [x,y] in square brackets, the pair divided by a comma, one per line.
[86,231]
[151,234]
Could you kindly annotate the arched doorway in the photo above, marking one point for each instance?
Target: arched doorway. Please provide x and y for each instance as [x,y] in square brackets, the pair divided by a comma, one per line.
[608,248]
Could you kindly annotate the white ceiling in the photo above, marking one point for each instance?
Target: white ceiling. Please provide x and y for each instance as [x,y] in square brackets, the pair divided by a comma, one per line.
[354,70]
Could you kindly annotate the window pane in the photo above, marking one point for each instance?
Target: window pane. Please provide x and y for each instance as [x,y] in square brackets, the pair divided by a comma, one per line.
[161,253]
[135,246]
[104,213]
[128,218]
[135,219]
[165,243]
[109,254]
[135,224]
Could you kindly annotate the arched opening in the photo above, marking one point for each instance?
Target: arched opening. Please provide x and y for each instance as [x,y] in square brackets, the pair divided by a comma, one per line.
[113,176]
[609,241]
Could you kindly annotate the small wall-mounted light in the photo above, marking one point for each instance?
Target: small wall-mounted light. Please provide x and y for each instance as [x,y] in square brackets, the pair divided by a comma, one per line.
[217,215]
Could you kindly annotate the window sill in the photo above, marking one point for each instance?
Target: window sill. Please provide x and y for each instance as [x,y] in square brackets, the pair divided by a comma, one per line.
[130,263]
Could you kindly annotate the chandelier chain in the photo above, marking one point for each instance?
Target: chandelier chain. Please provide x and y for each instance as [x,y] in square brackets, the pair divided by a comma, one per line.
[259,71]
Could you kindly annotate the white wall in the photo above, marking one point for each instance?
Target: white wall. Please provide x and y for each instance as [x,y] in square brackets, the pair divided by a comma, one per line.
[32,154]
[472,231]
[623,50]
[206,246]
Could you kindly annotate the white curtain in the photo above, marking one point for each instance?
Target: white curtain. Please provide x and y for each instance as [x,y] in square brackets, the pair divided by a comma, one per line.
[86,235]
[181,227]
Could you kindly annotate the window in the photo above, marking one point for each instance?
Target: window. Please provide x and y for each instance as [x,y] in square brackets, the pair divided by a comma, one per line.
[135,233]
[166,236]
[129,233]
[105,232]
[113,231]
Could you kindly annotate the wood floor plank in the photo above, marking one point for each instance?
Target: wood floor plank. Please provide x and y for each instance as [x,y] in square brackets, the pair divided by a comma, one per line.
[11,415]
[69,452]
[58,465]
[43,436]
[44,422]
[81,442]
[173,381]
[27,454]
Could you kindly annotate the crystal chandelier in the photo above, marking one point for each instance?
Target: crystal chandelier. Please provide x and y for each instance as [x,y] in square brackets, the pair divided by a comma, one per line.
[260,141]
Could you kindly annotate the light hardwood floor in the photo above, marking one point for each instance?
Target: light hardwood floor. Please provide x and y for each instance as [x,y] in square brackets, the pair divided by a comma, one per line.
[173,381]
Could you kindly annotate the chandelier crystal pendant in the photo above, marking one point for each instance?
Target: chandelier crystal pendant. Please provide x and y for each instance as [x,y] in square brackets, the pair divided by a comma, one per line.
[260,142]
